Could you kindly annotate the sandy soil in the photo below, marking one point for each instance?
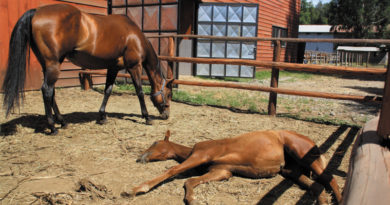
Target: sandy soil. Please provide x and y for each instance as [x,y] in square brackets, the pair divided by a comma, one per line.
[89,163]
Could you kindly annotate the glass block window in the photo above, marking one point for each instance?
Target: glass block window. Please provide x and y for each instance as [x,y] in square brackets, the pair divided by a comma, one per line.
[233,20]
[278,32]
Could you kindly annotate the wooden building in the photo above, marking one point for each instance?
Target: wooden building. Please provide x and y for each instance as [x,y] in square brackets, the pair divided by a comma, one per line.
[12,10]
[247,18]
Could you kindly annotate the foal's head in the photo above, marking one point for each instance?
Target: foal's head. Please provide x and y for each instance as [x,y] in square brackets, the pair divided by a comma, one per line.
[159,151]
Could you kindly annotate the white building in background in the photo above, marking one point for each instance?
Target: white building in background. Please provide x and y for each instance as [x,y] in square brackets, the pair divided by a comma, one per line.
[319,31]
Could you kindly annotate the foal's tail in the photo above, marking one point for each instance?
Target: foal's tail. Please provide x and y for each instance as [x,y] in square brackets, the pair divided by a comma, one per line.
[17,59]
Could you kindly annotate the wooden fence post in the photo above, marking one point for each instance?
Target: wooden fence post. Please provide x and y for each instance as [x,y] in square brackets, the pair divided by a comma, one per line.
[273,96]
[85,80]
[384,119]
[172,67]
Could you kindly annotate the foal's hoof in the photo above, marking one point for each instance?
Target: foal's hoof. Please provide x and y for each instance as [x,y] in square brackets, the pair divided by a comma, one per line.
[193,202]
[129,194]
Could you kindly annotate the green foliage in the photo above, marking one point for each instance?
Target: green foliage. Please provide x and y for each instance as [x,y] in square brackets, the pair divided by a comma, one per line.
[311,14]
[365,18]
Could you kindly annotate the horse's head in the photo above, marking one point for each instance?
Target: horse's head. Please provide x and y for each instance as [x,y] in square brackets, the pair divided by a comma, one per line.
[159,151]
[161,98]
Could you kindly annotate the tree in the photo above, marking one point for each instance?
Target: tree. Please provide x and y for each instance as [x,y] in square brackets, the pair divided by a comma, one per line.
[305,13]
[364,18]
[310,14]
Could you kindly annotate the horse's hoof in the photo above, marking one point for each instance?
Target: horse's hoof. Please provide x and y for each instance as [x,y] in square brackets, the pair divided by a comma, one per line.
[54,132]
[64,125]
[101,122]
[149,122]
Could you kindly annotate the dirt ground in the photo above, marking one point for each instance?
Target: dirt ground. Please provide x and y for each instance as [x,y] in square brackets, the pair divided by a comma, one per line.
[89,163]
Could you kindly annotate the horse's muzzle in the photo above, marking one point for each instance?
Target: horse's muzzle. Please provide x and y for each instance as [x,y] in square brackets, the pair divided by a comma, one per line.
[165,114]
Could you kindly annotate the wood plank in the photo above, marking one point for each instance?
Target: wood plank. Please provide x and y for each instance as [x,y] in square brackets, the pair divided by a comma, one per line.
[273,97]
[4,37]
[369,171]
[84,8]
[384,120]
[97,3]
[258,88]
[66,65]
[69,74]
[74,82]
[281,65]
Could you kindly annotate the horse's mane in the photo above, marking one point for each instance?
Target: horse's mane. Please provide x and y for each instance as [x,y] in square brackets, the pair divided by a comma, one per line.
[153,54]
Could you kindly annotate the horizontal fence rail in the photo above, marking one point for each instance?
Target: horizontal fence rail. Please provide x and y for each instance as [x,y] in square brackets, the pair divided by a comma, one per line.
[258,88]
[294,40]
[281,65]
[276,65]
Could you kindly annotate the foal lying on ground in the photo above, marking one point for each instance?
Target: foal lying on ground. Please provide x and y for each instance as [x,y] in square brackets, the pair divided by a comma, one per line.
[255,154]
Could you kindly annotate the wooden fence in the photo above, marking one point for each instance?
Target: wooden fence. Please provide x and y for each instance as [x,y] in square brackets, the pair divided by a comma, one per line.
[276,65]
[370,158]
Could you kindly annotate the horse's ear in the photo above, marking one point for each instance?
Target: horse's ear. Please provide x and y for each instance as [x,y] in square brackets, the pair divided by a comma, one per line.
[167,135]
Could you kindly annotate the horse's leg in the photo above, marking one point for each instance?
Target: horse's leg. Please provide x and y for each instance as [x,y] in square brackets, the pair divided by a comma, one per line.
[110,79]
[191,162]
[317,189]
[51,74]
[136,72]
[215,174]
[58,116]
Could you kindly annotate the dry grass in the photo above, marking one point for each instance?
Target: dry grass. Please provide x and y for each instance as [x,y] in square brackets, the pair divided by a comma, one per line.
[104,155]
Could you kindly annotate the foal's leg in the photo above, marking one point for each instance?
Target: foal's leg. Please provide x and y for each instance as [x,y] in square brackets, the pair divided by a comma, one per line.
[110,79]
[51,73]
[326,179]
[317,189]
[215,174]
[191,162]
[135,73]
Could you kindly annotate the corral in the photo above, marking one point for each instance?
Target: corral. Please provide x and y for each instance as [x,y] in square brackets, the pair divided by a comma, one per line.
[88,163]
[36,167]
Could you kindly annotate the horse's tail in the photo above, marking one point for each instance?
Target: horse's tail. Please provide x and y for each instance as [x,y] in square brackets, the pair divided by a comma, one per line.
[17,58]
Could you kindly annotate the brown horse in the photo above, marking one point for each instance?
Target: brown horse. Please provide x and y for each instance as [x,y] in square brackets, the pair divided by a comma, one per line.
[255,154]
[56,32]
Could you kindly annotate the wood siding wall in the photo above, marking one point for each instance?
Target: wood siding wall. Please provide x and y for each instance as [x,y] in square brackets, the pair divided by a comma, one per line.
[280,13]
[12,10]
